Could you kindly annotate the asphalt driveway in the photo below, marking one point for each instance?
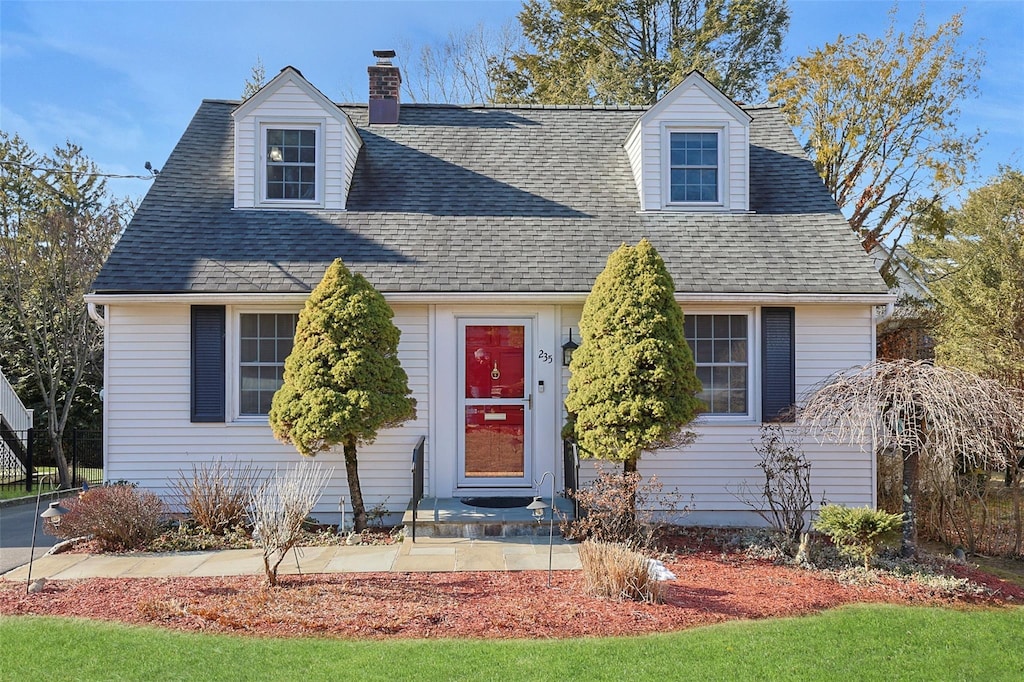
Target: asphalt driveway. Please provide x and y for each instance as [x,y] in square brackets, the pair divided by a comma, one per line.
[16,535]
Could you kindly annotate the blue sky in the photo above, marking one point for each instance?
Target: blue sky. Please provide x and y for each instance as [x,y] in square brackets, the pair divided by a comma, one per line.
[123,79]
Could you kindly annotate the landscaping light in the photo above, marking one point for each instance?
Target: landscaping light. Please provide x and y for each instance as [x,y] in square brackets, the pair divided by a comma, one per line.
[53,512]
[537,507]
[567,350]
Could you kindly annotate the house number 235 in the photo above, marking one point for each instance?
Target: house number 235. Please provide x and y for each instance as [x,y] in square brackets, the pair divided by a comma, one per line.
[545,357]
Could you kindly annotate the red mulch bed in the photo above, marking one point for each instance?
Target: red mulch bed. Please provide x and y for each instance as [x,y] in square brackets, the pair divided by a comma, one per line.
[712,587]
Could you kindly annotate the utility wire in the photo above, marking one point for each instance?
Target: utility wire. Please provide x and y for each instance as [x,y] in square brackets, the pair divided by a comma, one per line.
[65,171]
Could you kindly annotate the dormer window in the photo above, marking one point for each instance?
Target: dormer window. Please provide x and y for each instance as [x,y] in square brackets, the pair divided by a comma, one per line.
[291,164]
[693,167]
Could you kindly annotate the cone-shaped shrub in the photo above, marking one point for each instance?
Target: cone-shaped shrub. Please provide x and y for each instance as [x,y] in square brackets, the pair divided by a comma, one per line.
[342,381]
[633,384]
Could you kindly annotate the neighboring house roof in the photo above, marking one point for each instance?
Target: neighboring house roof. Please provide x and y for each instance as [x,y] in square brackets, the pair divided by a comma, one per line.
[485,199]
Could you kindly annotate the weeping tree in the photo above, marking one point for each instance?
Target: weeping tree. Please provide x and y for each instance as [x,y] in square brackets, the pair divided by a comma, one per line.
[342,381]
[633,386]
[945,419]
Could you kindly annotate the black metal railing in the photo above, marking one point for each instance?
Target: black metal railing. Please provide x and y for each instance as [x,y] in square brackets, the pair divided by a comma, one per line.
[417,480]
[571,471]
[27,460]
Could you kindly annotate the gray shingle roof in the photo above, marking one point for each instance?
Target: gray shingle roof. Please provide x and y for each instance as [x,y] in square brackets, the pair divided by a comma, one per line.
[484,199]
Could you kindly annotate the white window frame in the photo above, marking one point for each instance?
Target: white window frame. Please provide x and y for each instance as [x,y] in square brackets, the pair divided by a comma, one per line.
[233,359]
[753,365]
[719,128]
[266,123]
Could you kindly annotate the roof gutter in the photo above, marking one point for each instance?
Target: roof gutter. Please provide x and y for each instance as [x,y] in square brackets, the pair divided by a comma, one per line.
[549,297]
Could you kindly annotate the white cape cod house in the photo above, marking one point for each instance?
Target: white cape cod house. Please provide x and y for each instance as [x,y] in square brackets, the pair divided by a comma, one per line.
[484,227]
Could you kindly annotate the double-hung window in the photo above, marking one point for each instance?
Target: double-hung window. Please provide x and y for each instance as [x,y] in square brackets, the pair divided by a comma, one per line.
[291,164]
[720,346]
[265,340]
[693,167]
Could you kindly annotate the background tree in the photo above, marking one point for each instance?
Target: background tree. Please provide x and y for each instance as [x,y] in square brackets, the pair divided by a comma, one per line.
[58,226]
[633,385]
[880,116]
[458,69]
[634,51]
[342,381]
[949,419]
[975,258]
[256,80]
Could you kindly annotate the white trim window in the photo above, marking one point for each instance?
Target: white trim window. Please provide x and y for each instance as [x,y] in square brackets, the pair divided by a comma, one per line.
[721,352]
[291,164]
[694,160]
[264,341]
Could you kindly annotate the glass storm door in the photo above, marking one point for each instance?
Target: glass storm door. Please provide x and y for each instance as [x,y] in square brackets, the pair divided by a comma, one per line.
[495,403]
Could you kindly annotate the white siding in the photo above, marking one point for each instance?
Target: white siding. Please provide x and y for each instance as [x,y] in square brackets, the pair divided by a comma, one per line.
[682,107]
[149,438]
[290,103]
[708,475]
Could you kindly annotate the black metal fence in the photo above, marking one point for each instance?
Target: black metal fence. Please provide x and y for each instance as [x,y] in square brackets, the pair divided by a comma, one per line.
[27,460]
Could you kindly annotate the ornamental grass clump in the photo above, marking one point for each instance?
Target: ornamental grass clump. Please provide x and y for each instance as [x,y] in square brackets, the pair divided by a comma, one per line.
[216,494]
[118,517]
[857,531]
[616,571]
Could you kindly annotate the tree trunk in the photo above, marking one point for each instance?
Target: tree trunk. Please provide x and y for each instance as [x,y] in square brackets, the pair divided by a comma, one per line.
[629,467]
[911,464]
[57,450]
[352,471]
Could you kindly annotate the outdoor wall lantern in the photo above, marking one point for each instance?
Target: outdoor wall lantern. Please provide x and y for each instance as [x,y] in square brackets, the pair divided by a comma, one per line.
[53,513]
[567,350]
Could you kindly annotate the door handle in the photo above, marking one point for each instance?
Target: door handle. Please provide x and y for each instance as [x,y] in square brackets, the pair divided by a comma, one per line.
[529,402]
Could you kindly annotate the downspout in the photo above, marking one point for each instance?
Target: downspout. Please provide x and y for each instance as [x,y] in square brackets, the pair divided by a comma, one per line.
[890,308]
[96,317]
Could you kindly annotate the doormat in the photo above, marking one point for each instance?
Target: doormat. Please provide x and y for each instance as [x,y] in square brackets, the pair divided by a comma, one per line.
[496,502]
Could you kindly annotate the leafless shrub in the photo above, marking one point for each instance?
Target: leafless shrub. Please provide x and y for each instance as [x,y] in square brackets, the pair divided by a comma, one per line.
[216,494]
[786,490]
[279,507]
[607,512]
[119,517]
[616,571]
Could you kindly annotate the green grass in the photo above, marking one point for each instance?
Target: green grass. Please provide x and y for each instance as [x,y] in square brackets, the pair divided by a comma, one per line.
[9,492]
[852,643]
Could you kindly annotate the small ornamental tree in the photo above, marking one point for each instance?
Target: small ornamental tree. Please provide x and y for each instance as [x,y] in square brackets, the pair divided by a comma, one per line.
[342,381]
[633,386]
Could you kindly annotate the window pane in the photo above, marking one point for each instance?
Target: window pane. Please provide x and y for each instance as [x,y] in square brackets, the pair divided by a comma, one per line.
[291,137]
[703,326]
[308,138]
[250,325]
[250,378]
[721,351]
[738,326]
[739,351]
[703,352]
[274,137]
[248,352]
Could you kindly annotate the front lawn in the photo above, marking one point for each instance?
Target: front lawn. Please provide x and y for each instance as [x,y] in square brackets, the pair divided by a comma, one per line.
[854,642]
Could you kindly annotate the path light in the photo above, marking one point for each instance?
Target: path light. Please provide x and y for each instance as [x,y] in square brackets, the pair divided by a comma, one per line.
[538,506]
[53,513]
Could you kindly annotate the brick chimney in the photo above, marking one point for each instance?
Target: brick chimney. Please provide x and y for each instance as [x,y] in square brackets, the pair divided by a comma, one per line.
[385,82]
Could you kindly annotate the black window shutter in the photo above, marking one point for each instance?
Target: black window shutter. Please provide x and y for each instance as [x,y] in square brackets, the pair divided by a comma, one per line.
[207,363]
[778,359]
